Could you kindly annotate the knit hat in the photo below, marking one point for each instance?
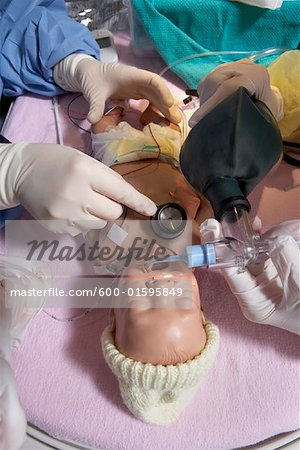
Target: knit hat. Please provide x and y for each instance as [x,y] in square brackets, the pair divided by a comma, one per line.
[157,394]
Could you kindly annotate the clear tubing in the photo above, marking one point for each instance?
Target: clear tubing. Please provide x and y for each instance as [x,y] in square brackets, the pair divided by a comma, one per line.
[236,224]
[57,122]
[268,52]
[227,252]
[253,55]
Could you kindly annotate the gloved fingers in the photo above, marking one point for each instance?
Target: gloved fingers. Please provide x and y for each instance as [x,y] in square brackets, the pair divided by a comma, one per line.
[172,113]
[110,119]
[159,96]
[223,91]
[142,84]
[288,227]
[226,79]
[285,255]
[251,292]
[127,195]
[111,185]
[210,231]
[256,75]
[101,81]
[96,103]
[95,113]
[102,206]
[257,224]
[209,84]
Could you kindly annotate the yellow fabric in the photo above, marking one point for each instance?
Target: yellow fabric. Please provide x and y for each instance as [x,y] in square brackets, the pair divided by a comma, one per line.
[125,144]
[145,144]
[285,75]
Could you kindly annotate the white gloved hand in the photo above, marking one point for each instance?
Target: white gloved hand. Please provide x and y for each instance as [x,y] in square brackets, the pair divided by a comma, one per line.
[100,81]
[273,296]
[227,78]
[12,417]
[15,316]
[57,182]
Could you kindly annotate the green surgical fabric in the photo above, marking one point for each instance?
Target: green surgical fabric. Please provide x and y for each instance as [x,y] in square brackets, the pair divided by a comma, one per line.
[179,28]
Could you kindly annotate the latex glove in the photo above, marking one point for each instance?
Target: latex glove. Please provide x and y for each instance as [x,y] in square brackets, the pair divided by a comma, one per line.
[12,417]
[273,296]
[58,182]
[100,81]
[227,78]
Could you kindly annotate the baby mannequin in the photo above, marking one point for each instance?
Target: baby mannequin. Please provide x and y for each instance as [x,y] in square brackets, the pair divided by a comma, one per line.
[159,347]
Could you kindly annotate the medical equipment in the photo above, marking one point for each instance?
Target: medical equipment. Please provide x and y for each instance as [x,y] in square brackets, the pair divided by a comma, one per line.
[254,56]
[57,122]
[226,252]
[291,153]
[169,220]
[224,157]
[105,40]
[229,152]
[109,14]
[76,344]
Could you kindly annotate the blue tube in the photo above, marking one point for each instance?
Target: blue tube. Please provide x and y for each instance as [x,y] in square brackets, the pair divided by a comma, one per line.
[195,256]
[227,252]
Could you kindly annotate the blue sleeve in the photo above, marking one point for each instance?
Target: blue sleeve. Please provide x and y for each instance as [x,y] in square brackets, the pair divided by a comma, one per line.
[34,36]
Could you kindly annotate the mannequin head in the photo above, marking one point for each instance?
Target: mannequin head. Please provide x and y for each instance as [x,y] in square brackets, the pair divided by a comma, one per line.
[157,330]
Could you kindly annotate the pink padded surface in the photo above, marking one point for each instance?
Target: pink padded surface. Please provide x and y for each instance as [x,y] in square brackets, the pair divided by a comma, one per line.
[250,394]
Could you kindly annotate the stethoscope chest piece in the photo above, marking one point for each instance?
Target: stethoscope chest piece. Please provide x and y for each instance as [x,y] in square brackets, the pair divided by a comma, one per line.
[169,221]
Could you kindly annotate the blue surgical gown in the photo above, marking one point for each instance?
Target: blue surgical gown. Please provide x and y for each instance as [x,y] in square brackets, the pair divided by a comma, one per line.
[34,36]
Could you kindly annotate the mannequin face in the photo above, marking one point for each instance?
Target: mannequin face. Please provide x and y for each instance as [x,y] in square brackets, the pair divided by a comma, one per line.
[149,328]
[163,183]
[159,329]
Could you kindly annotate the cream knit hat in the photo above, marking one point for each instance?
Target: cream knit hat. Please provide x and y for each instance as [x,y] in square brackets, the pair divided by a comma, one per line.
[157,394]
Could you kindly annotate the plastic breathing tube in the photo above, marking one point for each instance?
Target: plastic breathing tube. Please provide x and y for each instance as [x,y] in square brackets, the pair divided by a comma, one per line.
[253,55]
[226,252]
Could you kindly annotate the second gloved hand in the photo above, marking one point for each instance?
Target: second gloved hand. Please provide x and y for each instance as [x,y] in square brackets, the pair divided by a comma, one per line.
[57,182]
[227,78]
[273,296]
[12,417]
[100,81]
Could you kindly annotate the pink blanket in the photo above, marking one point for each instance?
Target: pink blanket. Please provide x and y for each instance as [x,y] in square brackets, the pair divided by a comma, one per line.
[251,393]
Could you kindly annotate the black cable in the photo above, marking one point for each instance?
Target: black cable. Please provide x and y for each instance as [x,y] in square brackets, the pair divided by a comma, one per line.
[3,140]
[288,158]
[291,144]
[71,118]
